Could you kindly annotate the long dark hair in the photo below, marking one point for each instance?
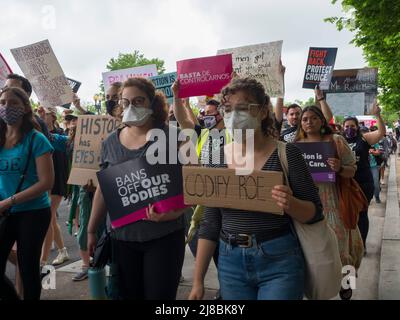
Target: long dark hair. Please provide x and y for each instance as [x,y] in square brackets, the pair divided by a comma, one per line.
[28,122]
[325,128]
[255,90]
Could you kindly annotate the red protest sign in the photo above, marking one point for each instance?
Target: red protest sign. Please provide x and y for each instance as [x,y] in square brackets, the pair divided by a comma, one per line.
[204,76]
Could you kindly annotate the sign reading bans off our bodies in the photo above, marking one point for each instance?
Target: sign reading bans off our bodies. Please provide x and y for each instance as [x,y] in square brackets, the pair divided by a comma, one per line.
[41,67]
[223,188]
[129,187]
[316,155]
[319,68]
[90,132]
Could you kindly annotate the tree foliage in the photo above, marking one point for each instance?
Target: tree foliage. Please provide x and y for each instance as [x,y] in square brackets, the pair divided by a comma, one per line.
[376,25]
[135,59]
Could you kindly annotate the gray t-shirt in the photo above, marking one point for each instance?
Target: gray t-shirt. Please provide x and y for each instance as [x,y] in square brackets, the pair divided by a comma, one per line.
[113,153]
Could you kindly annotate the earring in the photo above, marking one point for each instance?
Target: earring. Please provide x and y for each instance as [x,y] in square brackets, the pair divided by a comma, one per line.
[322,131]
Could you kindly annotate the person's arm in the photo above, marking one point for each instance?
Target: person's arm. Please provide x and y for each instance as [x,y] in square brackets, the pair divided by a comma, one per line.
[325,108]
[279,102]
[59,141]
[77,104]
[45,173]
[97,215]
[180,112]
[376,136]
[189,112]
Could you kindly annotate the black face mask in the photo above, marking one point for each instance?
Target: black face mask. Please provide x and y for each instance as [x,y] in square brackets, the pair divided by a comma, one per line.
[110,105]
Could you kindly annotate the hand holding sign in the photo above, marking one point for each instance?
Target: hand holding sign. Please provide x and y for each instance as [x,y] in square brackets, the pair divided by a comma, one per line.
[335,164]
[318,93]
[154,216]
[283,196]
[175,88]
[375,110]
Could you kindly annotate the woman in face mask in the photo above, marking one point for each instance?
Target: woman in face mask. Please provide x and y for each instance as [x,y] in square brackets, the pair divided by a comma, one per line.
[360,145]
[25,200]
[260,257]
[148,253]
[112,100]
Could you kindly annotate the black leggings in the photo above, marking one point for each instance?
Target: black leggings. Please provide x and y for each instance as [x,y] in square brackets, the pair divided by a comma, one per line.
[28,229]
[150,270]
[363,220]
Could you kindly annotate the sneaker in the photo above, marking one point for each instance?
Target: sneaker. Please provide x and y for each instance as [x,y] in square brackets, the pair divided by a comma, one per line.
[378,200]
[81,275]
[62,257]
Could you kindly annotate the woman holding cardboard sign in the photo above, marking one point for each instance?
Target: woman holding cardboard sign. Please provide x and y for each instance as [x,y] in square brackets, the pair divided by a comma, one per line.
[149,253]
[259,254]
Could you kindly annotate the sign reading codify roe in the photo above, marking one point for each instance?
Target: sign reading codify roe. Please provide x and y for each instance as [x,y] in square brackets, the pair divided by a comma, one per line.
[319,68]
[41,67]
[222,188]
[90,132]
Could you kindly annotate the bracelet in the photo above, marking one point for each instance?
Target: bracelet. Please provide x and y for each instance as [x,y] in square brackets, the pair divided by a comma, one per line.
[320,99]
[91,232]
[13,200]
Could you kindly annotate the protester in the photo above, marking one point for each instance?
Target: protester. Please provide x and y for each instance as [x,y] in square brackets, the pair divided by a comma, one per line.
[149,253]
[58,191]
[112,100]
[375,162]
[30,208]
[360,145]
[271,266]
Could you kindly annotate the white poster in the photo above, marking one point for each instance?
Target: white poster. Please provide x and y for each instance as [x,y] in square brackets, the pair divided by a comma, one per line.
[4,71]
[41,67]
[260,62]
[123,74]
[346,104]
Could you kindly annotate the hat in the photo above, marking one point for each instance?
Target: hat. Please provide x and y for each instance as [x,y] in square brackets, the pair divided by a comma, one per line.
[70,117]
[51,110]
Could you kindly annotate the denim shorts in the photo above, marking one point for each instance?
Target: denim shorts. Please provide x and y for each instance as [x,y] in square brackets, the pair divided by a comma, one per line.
[270,270]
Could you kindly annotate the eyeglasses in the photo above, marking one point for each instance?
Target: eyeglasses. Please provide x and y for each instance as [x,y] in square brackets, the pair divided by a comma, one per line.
[136,102]
[227,109]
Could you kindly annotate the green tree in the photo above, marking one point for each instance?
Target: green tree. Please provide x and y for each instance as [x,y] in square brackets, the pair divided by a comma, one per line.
[135,59]
[310,101]
[376,26]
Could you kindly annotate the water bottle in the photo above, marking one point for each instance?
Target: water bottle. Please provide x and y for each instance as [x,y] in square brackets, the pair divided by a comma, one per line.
[97,283]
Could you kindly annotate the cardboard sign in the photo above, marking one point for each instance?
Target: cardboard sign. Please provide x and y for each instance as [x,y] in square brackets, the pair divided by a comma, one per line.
[222,188]
[350,81]
[260,62]
[346,104]
[90,133]
[204,76]
[75,85]
[316,155]
[5,70]
[319,68]
[124,74]
[41,67]
[164,82]
[128,189]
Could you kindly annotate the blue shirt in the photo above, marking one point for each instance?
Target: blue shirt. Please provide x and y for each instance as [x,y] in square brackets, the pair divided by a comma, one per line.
[12,164]
[59,141]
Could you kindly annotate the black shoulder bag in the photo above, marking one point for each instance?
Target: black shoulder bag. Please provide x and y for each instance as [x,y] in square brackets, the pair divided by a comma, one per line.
[4,216]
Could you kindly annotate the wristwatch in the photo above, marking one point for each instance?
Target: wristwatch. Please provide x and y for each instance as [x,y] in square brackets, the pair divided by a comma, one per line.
[320,99]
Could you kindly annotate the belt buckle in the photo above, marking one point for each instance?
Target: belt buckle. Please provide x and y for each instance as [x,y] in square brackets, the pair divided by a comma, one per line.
[249,242]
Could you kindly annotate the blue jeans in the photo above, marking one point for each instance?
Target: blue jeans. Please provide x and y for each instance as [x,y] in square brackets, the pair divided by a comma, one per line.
[270,270]
[377,186]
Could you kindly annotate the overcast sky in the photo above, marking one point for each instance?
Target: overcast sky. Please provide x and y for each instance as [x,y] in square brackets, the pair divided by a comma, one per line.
[86,34]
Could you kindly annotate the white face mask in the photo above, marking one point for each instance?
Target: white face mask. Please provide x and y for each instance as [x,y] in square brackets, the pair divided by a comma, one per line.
[240,120]
[136,116]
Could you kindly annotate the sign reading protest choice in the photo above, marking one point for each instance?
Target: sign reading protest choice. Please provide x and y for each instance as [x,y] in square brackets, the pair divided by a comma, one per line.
[223,188]
[5,70]
[260,62]
[75,85]
[90,132]
[41,67]
[316,155]
[345,84]
[204,76]
[164,82]
[124,74]
[128,189]
[319,68]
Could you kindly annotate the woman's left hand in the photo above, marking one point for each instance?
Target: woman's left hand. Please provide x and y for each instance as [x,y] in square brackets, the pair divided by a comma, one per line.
[335,164]
[283,196]
[152,215]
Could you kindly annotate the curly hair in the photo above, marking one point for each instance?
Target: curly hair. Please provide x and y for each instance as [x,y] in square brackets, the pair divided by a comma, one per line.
[253,90]
[157,98]
[327,130]
[28,121]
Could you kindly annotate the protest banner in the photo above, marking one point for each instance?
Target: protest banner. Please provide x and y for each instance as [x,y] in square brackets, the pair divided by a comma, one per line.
[369,121]
[223,188]
[5,70]
[75,85]
[316,155]
[129,187]
[124,74]
[204,76]
[319,67]
[90,133]
[345,83]
[41,67]
[164,82]
[260,62]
